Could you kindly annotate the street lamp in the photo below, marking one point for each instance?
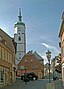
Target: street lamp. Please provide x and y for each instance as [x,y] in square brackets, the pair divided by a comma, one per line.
[48,54]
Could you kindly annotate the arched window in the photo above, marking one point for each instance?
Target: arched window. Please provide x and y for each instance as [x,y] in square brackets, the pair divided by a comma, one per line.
[19,38]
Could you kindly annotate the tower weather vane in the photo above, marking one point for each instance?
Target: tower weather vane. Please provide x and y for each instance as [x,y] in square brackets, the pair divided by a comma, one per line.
[20,17]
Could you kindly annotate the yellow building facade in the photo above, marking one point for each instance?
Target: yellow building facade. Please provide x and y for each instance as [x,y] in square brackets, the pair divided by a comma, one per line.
[61,35]
[7,59]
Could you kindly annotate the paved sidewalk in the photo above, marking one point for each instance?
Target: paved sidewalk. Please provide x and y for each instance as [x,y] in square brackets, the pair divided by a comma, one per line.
[58,84]
[39,84]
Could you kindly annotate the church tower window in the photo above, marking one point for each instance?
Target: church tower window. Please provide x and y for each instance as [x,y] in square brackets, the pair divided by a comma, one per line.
[19,38]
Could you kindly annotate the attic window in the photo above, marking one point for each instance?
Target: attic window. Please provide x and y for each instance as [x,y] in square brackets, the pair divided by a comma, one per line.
[25,60]
[31,61]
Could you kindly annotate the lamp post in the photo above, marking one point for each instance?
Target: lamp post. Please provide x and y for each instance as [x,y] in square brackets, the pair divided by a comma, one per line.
[48,54]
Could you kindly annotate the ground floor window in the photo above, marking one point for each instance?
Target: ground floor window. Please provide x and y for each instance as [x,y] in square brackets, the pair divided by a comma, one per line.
[1,77]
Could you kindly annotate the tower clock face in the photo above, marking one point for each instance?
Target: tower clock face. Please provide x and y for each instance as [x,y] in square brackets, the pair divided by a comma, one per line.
[19,29]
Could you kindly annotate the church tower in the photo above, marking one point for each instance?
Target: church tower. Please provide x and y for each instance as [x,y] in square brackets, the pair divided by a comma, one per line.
[20,37]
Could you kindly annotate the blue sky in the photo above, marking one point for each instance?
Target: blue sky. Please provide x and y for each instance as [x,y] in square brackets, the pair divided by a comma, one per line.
[42,19]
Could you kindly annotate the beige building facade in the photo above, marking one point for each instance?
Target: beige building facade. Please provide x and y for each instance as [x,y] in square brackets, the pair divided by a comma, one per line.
[7,59]
[61,35]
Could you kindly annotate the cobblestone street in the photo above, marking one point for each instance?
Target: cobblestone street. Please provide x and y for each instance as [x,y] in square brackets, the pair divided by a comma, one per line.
[39,84]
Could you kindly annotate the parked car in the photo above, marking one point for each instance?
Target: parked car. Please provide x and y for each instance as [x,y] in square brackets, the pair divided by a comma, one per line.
[55,78]
[29,76]
[32,76]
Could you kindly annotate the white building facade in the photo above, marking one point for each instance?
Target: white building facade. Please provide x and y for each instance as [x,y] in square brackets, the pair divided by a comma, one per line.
[20,38]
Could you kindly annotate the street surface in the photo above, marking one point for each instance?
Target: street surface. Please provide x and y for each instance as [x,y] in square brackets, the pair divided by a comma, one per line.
[37,84]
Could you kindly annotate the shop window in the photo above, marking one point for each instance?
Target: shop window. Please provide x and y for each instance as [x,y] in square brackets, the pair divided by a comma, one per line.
[1,76]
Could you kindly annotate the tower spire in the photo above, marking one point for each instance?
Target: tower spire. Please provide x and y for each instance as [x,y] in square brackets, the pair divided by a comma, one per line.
[20,17]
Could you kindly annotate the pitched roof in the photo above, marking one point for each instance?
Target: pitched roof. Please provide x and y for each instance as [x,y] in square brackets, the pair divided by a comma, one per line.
[39,58]
[36,55]
[7,38]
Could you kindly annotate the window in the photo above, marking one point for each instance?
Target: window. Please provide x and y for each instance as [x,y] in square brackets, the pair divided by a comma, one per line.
[0,51]
[1,76]
[0,38]
[6,55]
[19,57]
[62,50]
[31,61]
[5,42]
[34,66]
[3,53]
[19,38]
[19,53]
[25,60]
[10,60]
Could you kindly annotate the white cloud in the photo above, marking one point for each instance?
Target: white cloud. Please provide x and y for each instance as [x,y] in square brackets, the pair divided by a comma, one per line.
[46,45]
[51,47]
